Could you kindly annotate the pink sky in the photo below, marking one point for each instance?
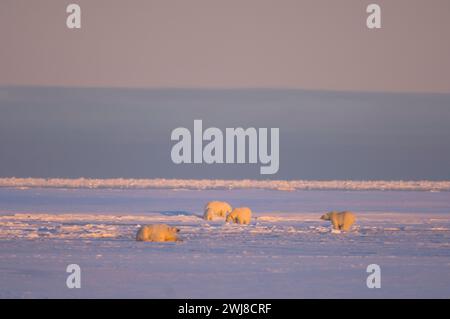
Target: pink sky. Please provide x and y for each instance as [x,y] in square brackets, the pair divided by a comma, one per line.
[312,44]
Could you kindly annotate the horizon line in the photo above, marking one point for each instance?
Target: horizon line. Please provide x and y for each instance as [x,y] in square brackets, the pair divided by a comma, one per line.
[221,89]
[223,184]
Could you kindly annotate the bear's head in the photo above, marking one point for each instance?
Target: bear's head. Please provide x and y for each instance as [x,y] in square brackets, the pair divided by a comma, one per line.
[173,230]
[230,218]
[326,216]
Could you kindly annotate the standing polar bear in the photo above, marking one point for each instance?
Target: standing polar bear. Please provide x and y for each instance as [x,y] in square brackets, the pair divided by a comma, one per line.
[216,209]
[340,221]
[240,215]
[157,232]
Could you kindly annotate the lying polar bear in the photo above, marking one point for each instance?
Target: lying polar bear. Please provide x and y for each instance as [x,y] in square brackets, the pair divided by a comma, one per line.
[216,209]
[157,232]
[340,221]
[240,215]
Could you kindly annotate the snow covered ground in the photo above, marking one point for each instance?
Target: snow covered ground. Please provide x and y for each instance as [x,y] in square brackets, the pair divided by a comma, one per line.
[287,251]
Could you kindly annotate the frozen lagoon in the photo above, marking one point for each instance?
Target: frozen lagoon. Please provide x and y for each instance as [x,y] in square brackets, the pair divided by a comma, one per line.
[287,251]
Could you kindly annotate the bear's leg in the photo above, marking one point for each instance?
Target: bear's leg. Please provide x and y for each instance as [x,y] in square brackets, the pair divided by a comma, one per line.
[171,237]
[146,234]
[346,226]
[335,224]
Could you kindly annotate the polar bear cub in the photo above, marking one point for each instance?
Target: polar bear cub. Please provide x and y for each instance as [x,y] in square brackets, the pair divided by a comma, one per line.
[240,215]
[340,221]
[216,209]
[157,232]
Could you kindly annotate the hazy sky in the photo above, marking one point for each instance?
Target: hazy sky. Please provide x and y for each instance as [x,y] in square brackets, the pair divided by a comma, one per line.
[70,107]
[312,44]
[48,132]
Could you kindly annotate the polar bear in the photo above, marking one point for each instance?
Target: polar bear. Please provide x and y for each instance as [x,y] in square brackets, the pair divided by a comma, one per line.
[340,221]
[157,232]
[209,214]
[216,209]
[240,215]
